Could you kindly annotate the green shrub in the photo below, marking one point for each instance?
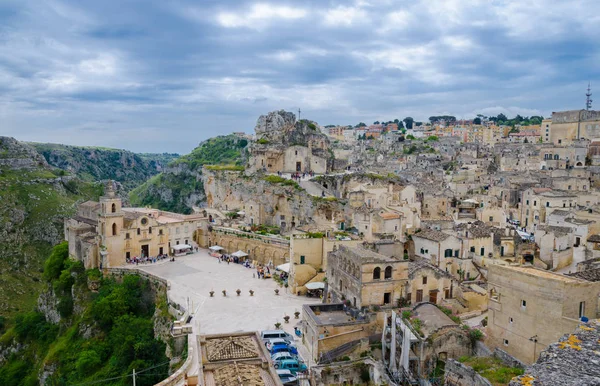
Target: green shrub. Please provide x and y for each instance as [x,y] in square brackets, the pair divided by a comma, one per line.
[55,263]
[87,362]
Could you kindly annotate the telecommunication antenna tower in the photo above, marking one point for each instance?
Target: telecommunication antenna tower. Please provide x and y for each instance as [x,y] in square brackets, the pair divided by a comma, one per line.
[299,113]
[588,97]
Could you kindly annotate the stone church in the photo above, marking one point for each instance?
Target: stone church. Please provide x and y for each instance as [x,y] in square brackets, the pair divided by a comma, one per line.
[104,234]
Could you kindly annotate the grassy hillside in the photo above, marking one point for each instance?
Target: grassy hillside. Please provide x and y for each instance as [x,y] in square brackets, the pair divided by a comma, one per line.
[99,335]
[179,187]
[34,200]
[97,163]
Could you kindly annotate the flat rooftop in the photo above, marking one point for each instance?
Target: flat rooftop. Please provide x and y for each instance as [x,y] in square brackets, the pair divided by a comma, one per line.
[541,273]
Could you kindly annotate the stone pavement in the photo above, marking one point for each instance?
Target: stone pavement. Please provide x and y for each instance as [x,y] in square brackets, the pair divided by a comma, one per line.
[193,276]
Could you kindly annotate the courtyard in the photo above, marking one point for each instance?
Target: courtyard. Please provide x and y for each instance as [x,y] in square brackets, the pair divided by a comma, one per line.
[192,277]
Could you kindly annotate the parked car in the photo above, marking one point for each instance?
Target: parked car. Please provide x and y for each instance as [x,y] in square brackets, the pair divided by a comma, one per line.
[287,377]
[282,356]
[271,342]
[293,365]
[272,334]
[283,348]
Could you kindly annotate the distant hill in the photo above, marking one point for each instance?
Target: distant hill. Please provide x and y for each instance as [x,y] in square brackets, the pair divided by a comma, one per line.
[34,200]
[98,163]
[179,187]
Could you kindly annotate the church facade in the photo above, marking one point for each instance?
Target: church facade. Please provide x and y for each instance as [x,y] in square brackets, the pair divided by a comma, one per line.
[104,234]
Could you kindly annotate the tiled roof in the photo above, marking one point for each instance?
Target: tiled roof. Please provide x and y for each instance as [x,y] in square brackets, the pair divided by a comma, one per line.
[431,234]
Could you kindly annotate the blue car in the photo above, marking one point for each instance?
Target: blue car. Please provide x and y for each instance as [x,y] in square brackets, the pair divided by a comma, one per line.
[283,348]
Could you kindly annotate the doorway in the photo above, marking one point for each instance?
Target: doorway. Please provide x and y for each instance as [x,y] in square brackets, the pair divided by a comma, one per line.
[577,241]
[387,297]
[160,251]
[298,166]
[145,250]
[433,296]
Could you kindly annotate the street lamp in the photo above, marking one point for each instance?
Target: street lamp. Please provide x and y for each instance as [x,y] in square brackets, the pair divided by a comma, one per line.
[534,339]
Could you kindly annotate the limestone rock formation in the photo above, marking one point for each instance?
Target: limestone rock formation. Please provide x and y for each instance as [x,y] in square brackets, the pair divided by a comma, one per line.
[275,121]
[18,155]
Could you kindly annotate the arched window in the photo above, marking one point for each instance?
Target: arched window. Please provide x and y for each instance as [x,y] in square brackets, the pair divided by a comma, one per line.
[114,229]
[114,208]
[388,272]
[377,273]
[556,156]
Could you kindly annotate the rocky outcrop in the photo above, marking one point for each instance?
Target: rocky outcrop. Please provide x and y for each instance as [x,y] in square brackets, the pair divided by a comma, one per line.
[17,155]
[275,121]
[98,164]
[48,305]
[229,191]
[572,361]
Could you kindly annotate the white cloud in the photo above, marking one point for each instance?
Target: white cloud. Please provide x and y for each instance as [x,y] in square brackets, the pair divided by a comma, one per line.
[258,15]
[282,56]
[344,16]
[102,65]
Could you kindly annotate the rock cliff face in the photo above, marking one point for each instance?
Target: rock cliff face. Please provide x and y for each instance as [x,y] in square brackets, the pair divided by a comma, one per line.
[179,187]
[16,155]
[34,200]
[96,164]
[270,199]
[274,122]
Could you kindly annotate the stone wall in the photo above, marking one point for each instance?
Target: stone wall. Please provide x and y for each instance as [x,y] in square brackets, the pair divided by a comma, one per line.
[508,359]
[457,374]
[260,248]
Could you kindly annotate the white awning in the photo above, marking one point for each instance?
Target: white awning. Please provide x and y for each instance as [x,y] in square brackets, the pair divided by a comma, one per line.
[241,213]
[239,254]
[181,247]
[315,285]
[216,248]
[284,267]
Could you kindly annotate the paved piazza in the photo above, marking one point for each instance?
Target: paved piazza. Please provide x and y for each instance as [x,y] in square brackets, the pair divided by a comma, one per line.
[193,276]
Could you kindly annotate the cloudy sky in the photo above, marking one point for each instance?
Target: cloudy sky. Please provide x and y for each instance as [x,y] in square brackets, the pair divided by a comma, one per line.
[163,75]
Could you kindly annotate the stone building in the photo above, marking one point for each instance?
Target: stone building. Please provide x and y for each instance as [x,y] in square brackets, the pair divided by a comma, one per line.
[103,234]
[530,308]
[414,353]
[235,359]
[568,126]
[366,278]
[434,246]
[327,327]
[428,283]
[289,146]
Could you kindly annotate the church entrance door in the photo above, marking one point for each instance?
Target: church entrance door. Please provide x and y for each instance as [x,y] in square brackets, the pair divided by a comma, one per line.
[145,250]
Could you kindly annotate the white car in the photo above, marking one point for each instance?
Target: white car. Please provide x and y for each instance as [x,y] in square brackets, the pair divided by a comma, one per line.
[271,342]
[287,377]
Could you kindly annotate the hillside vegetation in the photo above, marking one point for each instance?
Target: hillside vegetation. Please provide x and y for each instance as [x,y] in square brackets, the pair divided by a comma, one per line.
[79,336]
[179,187]
[97,163]
[34,200]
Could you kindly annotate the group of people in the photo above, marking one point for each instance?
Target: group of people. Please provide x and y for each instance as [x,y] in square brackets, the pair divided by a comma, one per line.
[262,271]
[147,259]
[234,259]
[299,176]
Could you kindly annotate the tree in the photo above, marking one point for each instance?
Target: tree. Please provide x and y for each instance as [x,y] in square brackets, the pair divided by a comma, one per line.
[376,123]
[400,125]
[55,263]
[477,121]
[361,124]
[418,124]
[408,121]
[501,117]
